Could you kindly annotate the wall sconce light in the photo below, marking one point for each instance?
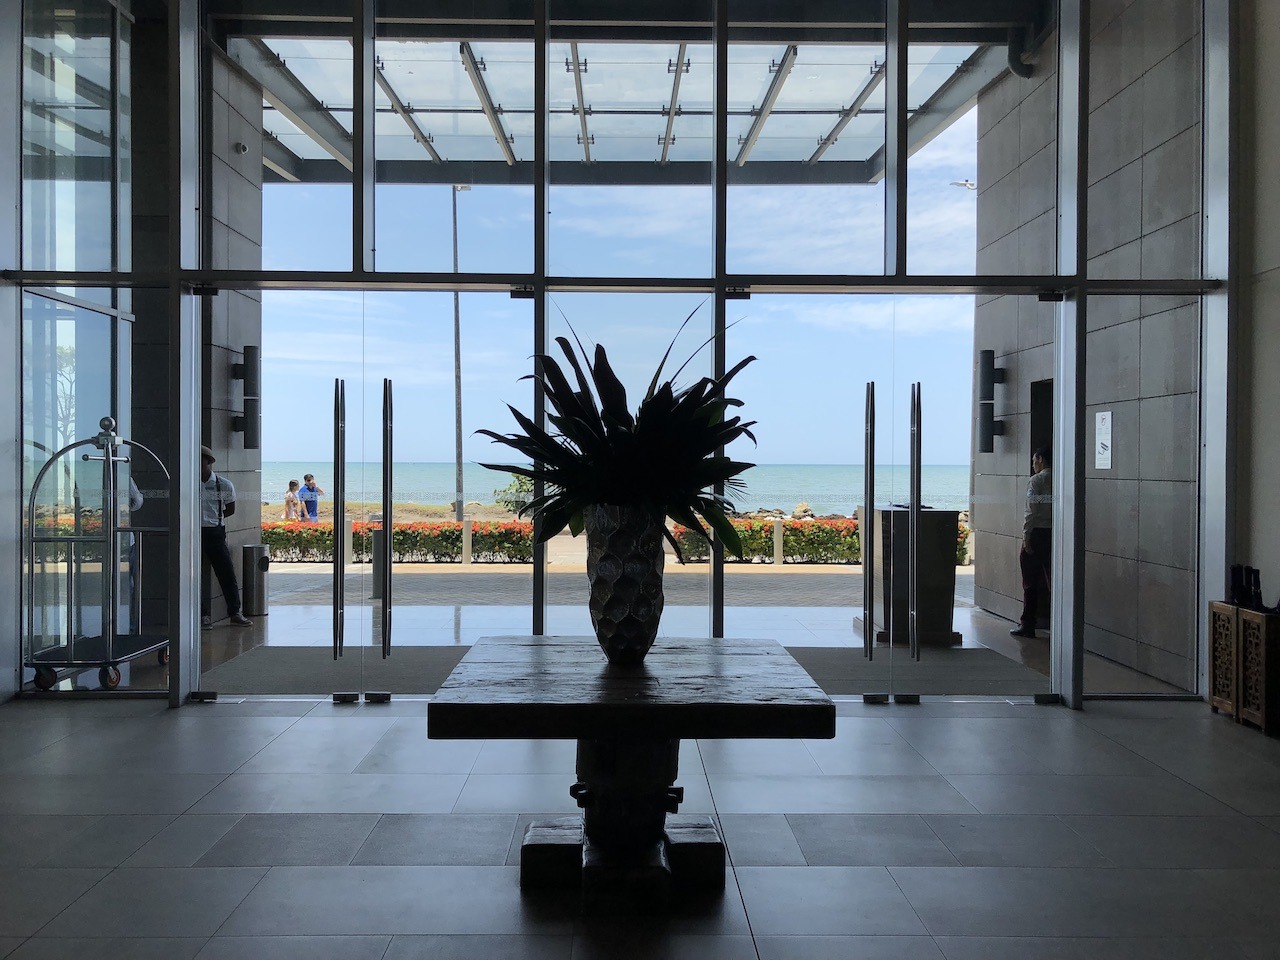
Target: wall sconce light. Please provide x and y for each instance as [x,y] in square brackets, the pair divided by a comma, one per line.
[988,376]
[250,422]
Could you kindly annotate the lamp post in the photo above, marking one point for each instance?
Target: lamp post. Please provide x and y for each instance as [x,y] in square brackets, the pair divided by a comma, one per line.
[457,364]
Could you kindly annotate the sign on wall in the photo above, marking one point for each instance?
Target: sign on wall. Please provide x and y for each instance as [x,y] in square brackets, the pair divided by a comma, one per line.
[1102,440]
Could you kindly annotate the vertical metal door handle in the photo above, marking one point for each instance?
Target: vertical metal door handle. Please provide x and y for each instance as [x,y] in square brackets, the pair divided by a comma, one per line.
[388,530]
[339,512]
[914,550]
[869,526]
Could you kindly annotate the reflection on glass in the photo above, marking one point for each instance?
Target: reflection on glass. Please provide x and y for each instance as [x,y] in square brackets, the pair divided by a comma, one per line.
[67,136]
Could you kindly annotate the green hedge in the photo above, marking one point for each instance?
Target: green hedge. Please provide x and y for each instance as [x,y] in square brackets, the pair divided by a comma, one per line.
[508,541]
[803,541]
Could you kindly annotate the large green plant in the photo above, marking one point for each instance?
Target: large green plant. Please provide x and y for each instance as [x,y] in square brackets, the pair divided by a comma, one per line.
[666,457]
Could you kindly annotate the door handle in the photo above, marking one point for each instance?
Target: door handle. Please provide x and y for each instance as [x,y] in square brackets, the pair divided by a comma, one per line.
[388,530]
[869,525]
[914,546]
[339,513]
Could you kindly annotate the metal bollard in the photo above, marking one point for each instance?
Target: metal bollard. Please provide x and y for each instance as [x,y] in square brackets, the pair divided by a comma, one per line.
[377,565]
[777,542]
[254,560]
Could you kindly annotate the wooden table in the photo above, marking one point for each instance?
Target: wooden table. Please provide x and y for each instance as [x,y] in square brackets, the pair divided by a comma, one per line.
[628,722]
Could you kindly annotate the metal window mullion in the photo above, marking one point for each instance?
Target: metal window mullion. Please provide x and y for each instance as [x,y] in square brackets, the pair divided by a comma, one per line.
[541,51]
[1067,612]
[1219,315]
[362,132]
[720,190]
[895,142]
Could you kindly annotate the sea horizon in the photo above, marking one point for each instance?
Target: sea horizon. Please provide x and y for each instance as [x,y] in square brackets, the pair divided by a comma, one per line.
[826,488]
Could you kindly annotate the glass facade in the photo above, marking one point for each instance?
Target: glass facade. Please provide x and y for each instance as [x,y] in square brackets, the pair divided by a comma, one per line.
[857,198]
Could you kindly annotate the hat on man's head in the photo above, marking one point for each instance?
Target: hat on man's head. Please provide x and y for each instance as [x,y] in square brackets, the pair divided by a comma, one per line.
[207,454]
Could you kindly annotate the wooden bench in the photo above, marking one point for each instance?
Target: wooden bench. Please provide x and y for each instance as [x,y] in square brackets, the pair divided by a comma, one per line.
[628,723]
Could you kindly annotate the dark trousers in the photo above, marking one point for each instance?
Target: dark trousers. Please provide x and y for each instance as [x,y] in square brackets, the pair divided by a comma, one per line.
[1035,575]
[213,544]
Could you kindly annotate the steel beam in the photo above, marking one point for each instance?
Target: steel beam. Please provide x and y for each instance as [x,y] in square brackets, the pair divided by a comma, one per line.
[290,96]
[668,137]
[403,111]
[780,75]
[859,101]
[585,137]
[486,102]
[956,95]
[280,160]
[576,173]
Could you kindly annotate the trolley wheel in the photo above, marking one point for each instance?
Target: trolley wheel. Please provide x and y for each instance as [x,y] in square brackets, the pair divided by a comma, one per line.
[46,678]
[162,656]
[109,677]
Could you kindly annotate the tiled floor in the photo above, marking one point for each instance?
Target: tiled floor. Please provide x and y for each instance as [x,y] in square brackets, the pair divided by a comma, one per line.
[298,829]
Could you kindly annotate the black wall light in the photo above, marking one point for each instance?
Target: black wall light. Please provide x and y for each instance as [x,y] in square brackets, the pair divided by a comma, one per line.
[250,422]
[988,376]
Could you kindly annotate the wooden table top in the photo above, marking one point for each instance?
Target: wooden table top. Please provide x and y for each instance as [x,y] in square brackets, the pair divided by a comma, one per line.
[563,688]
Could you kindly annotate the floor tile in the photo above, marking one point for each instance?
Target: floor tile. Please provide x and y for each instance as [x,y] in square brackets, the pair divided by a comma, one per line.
[818,901]
[333,793]
[108,842]
[1025,840]
[405,749]
[667,946]
[141,903]
[392,900]
[31,897]
[184,841]
[527,757]
[1085,795]
[838,794]
[291,839]
[1049,948]
[858,840]
[8,945]
[718,914]
[103,793]
[472,947]
[845,948]
[1074,902]
[319,745]
[517,793]
[167,948]
[761,840]
[26,839]
[295,948]
[438,839]
[752,757]
[1180,841]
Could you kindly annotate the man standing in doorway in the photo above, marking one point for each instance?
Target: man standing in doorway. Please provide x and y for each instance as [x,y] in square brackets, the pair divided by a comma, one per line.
[217,502]
[310,496]
[1037,541]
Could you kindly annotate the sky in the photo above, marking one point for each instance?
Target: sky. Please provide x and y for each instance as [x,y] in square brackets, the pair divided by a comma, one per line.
[814,352]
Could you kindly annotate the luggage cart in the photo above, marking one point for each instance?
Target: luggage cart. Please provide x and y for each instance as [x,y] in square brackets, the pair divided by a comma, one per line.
[74,646]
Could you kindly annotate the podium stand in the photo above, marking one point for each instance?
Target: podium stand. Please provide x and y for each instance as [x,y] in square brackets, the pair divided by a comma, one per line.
[890,575]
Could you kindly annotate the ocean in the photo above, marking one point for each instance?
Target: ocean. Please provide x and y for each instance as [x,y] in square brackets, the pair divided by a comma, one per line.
[826,488]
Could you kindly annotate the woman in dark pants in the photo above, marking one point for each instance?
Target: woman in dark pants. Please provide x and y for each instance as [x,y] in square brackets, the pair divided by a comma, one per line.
[1037,542]
[217,502]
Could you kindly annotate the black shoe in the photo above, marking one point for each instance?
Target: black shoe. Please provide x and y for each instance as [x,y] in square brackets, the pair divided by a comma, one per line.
[1023,632]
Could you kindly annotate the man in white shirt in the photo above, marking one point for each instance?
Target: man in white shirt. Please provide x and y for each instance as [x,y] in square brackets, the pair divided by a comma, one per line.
[217,502]
[1037,542]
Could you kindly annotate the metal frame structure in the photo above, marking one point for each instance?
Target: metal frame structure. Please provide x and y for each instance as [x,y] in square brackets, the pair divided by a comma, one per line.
[895,22]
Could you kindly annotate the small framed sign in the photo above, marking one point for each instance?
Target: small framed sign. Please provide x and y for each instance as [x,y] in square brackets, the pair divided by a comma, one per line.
[1102,440]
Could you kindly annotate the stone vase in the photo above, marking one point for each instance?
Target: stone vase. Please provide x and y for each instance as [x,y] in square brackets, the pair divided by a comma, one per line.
[624,568]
